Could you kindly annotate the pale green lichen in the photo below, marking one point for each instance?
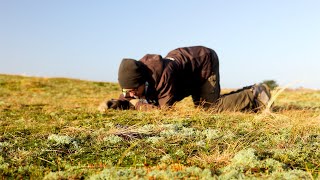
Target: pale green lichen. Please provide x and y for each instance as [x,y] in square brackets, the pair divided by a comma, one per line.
[188,132]
[201,143]
[211,134]
[60,139]
[290,175]
[167,159]
[168,133]
[112,139]
[147,128]
[245,158]
[3,145]
[154,140]
[166,173]
[245,161]
[179,153]
[55,175]
[3,164]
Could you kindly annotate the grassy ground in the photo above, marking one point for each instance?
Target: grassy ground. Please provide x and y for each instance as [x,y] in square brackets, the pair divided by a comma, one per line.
[51,129]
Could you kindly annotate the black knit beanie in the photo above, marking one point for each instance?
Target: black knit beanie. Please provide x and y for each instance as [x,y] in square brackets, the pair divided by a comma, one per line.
[131,73]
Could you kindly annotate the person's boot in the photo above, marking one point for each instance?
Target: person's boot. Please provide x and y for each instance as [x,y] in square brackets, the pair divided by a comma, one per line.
[262,95]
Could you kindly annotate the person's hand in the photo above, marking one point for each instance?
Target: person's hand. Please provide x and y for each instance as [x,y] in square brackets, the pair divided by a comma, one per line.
[118,104]
[138,103]
[134,102]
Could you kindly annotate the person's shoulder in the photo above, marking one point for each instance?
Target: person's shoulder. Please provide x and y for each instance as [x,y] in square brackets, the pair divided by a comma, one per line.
[191,50]
[199,48]
[151,58]
[154,62]
[194,47]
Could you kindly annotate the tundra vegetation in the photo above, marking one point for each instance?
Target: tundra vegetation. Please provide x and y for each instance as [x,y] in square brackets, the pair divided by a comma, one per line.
[51,128]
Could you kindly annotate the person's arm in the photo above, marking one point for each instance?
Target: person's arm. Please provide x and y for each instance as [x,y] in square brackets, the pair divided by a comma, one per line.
[130,103]
[118,104]
[167,85]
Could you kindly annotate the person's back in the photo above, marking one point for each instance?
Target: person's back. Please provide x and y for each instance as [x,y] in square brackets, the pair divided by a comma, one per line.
[190,68]
[184,71]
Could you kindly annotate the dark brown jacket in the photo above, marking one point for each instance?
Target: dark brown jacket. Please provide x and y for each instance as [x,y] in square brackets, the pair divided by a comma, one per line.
[179,74]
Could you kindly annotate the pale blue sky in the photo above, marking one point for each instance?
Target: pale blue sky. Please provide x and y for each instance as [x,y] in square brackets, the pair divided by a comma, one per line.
[255,40]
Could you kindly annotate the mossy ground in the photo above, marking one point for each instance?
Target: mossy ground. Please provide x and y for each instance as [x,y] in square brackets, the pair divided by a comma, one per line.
[51,128]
